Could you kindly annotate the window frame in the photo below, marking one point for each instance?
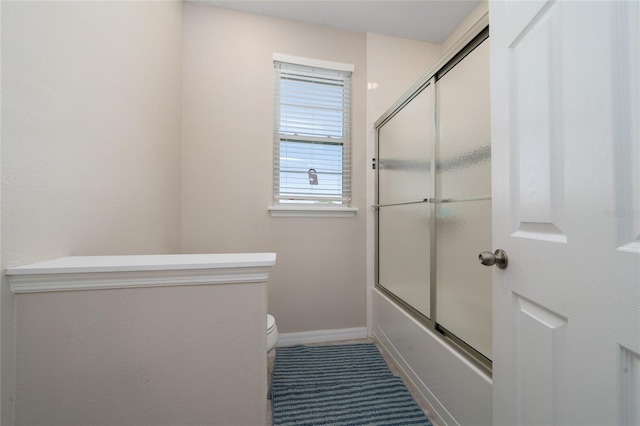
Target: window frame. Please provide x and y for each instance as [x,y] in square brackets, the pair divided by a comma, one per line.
[338,206]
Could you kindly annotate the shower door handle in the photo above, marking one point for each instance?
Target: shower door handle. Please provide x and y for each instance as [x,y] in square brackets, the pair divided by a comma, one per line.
[499,258]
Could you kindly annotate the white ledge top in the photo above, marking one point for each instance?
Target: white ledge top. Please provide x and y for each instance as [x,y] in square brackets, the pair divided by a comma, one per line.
[139,263]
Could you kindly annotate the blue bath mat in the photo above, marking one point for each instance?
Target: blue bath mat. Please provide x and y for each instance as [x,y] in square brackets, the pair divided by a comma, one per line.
[339,385]
[300,366]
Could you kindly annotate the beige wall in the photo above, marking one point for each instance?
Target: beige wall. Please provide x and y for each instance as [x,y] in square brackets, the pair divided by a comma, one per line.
[91,132]
[92,129]
[318,282]
[393,65]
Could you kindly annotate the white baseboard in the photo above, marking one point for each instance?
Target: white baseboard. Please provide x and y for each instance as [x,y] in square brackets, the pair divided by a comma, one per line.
[289,339]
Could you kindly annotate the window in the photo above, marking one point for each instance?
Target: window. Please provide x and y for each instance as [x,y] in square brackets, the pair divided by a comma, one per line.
[312,133]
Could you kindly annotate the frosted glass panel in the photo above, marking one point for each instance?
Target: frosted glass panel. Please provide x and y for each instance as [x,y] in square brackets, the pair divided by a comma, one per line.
[462,199]
[404,152]
[463,228]
[463,165]
[404,253]
[464,285]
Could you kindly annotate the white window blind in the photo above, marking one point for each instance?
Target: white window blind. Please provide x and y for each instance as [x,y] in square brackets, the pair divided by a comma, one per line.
[312,133]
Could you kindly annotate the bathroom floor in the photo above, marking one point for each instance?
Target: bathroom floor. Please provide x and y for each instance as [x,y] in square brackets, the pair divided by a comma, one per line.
[271,357]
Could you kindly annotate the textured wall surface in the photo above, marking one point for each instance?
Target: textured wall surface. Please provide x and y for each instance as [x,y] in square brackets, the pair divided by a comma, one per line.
[319,281]
[91,132]
[188,355]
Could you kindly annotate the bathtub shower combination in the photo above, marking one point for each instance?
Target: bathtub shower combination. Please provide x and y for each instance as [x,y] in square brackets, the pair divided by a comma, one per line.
[433,217]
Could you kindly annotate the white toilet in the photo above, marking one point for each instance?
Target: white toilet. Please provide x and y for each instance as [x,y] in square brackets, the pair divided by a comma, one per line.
[272,332]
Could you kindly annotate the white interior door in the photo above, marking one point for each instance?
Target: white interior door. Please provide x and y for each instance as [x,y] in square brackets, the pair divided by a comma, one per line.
[565,80]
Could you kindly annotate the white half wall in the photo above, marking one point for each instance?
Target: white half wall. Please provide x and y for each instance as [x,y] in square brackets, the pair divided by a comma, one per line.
[171,340]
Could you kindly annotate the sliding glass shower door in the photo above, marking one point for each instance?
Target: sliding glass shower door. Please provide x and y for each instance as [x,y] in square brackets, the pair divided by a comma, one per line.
[404,183]
[463,215]
[434,201]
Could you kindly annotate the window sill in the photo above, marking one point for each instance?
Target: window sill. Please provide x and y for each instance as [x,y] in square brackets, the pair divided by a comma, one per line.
[311,211]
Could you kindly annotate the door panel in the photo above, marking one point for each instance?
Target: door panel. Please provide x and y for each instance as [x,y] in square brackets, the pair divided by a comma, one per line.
[626,127]
[565,93]
[630,379]
[546,341]
[405,144]
[404,253]
[537,134]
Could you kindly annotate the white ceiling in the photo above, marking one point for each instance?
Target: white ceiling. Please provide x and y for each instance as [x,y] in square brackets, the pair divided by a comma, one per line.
[427,20]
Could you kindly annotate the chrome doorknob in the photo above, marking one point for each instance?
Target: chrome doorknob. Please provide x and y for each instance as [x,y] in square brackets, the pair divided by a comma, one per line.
[499,258]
